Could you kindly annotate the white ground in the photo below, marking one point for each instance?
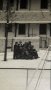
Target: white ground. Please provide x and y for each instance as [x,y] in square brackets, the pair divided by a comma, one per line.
[26,74]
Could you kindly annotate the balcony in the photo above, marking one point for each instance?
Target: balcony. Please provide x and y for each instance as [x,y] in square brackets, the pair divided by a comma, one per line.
[3,17]
[41,16]
[31,17]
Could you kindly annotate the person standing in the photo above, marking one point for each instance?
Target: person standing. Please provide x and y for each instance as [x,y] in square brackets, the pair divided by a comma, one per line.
[15,50]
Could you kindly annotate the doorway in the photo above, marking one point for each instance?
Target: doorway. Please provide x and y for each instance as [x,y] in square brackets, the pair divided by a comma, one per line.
[43,35]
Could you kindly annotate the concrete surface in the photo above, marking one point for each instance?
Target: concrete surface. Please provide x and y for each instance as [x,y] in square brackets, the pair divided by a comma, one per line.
[34,75]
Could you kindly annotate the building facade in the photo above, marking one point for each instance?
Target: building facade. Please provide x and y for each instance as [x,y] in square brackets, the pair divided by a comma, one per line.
[27,18]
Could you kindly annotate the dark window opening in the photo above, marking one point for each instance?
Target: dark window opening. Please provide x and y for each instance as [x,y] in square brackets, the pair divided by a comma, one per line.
[1,4]
[43,28]
[11,2]
[50,29]
[15,29]
[44,4]
[8,27]
[21,29]
[17,2]
[23,4]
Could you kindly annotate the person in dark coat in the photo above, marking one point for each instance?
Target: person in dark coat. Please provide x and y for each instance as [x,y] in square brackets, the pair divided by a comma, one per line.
[15,50]
[20,49]
[34,53]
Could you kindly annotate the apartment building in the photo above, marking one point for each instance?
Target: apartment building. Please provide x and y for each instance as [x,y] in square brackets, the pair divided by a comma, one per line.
[27,18]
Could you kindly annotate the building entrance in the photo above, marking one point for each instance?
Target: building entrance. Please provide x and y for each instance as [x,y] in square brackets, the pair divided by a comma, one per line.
[43,42]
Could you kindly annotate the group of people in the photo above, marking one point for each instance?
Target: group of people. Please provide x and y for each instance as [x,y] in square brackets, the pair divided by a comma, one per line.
[24,51]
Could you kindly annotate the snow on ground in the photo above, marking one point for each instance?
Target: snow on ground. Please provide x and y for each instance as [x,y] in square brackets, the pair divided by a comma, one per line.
[25,78]
[11,63]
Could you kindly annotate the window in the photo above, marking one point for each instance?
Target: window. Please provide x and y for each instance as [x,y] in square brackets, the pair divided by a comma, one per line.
[44,4]
[43,28]
[21,29]
[50,29]
[17,2]
[1,4]
[23,4]
[11,2]
[9,27]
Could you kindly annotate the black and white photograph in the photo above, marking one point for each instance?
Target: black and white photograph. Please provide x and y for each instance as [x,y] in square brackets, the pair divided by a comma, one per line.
[25,44]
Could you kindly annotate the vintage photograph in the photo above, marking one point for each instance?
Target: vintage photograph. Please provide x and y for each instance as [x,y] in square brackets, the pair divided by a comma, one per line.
[25,44]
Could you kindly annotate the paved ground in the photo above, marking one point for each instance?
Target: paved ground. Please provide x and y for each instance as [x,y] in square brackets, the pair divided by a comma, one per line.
[26,74]
[35,63]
